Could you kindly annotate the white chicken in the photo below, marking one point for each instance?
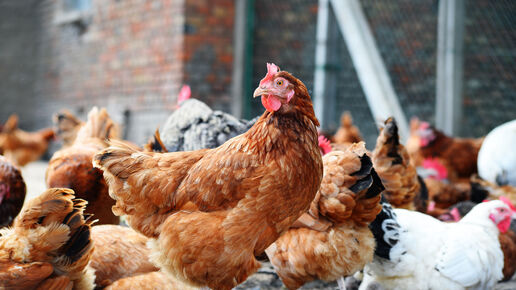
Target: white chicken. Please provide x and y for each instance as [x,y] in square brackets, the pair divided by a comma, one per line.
[497,159]
[416,251]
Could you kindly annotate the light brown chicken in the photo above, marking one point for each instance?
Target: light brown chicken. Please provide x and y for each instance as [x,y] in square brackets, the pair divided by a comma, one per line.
[49,244]
[66,126]
[403,188]
[153,280]
[12,192]
[72,167]
[23,147]
[332,239]
[347,132]
[459,155]
[120,252]
[212,211]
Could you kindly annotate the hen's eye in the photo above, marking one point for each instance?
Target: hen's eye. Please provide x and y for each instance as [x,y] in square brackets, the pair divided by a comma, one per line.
[279,82]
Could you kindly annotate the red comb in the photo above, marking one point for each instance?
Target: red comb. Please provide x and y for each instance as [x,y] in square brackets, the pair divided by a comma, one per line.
[424,125]
[184,94]
[455,214]
[272,69]
[442,172]
[324,144]
[508,202]
[431,206]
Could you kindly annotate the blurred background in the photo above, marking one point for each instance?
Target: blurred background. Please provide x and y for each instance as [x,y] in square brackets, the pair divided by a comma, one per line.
[452,63]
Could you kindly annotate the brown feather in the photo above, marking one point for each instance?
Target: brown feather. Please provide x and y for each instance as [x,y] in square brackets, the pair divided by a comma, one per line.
[212,211]
[72,167]
[21,147]
[51,228]
[459,155]
[347,132]
[392,162]
[13,187]
[120,252]
[332,239]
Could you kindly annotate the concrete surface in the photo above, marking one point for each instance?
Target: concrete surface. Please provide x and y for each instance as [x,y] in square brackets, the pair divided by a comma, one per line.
[34,176]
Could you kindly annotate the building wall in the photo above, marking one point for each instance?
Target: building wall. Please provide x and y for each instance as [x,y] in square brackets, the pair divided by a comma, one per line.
[208,50]
[18,29]
[284,34]
[128,59]
[130,56]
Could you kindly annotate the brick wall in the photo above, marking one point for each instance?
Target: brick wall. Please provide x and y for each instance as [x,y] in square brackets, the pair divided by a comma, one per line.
[131,56]
[18,29]
[128,59]
[208,50]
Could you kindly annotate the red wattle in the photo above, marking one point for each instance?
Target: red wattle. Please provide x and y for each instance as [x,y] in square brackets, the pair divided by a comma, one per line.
[271,103]
[504,225]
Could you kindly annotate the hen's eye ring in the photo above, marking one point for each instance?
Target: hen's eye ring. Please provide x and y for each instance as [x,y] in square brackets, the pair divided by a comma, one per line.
[279,83]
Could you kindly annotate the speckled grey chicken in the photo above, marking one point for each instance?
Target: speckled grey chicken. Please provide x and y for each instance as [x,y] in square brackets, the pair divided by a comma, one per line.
[195,126]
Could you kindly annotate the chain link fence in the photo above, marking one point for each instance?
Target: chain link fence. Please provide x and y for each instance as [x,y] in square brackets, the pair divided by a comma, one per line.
[284,34]
[489,86]
[405,32]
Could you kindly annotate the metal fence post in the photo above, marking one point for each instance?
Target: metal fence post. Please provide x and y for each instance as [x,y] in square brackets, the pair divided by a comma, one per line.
[371,70]
[239,43]
[321,40]
[450,36]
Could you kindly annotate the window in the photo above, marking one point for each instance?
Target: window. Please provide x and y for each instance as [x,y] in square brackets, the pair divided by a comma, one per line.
[76,5]
[74,13]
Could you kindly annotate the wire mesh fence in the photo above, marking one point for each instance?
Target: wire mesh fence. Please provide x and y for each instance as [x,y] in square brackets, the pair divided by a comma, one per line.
[406,35]
[284,33]
[405,32]
[489,65]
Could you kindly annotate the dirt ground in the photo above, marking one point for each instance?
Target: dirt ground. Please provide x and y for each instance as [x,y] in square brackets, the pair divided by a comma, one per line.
[265,278]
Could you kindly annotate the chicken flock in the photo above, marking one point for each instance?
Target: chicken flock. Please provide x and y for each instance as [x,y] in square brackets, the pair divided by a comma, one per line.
[211,197]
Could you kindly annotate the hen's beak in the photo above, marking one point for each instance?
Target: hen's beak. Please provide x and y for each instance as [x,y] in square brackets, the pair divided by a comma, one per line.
[260,91]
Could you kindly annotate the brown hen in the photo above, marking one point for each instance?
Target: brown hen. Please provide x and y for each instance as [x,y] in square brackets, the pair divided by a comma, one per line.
[152,280]
[332,239]
[403,188]
[72,167]
[459,155]
[49,244]
[212,211]
[12,192]
[120,252]
[66,127]
[508,245]
[347,132]
[23,147]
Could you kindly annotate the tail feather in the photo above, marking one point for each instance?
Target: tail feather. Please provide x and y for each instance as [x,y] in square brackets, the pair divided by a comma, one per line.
[479,192]
[61,231]
[66,125]
[155,144]
[350,188]
[99,125]
[392,140]
[421,198]
[346,120]
[385,229]
[11,124]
